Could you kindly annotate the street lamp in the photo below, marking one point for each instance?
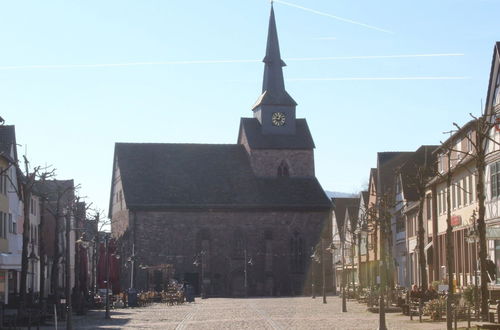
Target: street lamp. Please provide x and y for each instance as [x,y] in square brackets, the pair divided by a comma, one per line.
[472,237]
[247,262]
[344,301]
[117,256]
[32,258]
[314,258]
[197,262]
[333,250]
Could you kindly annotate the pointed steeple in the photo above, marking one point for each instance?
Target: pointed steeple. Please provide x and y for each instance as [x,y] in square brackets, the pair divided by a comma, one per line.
[273,86]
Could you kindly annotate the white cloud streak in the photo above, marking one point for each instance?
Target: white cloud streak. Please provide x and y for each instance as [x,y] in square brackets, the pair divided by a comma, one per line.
[342,19]
[297,59]
[326,38]
[377,78]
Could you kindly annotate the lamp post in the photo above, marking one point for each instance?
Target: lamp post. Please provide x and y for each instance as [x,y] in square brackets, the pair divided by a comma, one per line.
[32,258]
[131,259]
[314,258]
[69,311]
[333,250]
[247,262]
[197,262]
[344,301]
[80,243]
[472,237]
[117,256]
[323,270]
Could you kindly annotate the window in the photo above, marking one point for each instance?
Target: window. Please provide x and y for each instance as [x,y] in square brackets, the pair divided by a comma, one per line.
[469,142]
[453,197]
[495,179]
[440,163]
[400,223]
[472,188]
[4,223]
[283,170]
[458,148]
[439,202]
[238,242]
[398,185]
[2,179]
[11,225]
[459,193]
[428,205]
[297,253]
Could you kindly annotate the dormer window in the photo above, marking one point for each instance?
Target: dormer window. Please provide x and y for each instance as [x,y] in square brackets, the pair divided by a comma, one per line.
[283,170]
[441,163]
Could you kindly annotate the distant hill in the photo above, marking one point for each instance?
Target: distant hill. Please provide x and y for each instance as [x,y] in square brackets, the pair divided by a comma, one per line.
[333,194]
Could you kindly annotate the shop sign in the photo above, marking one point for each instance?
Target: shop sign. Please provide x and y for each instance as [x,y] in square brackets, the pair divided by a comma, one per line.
[456,220]
[493,233]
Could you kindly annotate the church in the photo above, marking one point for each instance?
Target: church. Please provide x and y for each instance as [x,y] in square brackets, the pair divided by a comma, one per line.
[230,219]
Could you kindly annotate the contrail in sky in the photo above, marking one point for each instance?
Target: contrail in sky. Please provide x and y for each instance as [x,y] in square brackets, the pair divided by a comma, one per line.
[130,64]
[333,16]
[378,78]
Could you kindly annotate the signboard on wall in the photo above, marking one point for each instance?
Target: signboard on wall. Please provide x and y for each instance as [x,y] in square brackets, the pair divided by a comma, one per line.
[456,220]
[493,233]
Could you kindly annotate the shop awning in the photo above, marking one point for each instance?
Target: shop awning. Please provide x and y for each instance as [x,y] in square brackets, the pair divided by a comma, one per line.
[10,261]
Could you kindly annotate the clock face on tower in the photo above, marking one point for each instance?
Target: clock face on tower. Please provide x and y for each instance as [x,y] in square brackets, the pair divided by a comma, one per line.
[278,118]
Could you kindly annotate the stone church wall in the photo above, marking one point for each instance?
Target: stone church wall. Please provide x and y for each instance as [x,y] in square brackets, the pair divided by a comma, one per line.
[266,162]
[277,243]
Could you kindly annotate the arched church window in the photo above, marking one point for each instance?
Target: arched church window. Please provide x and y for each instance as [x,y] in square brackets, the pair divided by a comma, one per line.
[238,242]
[297,253]
[283,170]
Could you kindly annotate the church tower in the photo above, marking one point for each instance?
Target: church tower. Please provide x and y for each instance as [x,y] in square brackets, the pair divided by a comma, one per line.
[275,108]
[279,144]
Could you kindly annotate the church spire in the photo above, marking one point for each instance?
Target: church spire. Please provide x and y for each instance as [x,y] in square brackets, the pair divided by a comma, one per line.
[273,86]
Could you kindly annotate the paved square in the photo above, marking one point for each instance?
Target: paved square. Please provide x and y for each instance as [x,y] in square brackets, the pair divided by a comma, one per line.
[251,313]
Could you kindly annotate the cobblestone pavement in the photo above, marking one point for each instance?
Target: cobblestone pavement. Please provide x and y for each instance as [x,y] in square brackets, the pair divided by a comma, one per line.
[251,313]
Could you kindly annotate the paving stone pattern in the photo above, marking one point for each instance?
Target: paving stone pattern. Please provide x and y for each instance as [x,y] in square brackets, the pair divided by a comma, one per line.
[251,313]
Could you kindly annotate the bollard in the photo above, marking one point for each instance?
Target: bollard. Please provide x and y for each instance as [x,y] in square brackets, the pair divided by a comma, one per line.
[420,307]
[468,317]
[498,311]
[455,316]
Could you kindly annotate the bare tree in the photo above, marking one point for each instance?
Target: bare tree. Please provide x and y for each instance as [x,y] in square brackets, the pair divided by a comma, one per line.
[417,172]
[24,191]
[477,152]
[57,198]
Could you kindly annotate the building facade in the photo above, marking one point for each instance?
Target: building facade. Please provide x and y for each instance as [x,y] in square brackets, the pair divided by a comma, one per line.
[231,220]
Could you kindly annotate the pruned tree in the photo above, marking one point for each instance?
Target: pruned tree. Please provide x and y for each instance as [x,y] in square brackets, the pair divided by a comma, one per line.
[57,198]
[477,135]
[24,190]
[416,173]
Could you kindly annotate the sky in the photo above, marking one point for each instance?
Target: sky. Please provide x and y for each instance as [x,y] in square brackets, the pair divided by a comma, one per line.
[369,76]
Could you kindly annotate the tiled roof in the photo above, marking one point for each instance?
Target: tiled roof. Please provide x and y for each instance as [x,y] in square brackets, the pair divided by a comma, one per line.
[424,156]
[157,176]
[340,205]
[7,140]
[302,138]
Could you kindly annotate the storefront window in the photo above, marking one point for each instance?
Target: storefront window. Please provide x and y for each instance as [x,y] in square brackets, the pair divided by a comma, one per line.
[497,259]
[3,285]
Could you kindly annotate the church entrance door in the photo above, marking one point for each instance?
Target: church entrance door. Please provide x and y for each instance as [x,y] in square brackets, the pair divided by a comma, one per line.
[194,280]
